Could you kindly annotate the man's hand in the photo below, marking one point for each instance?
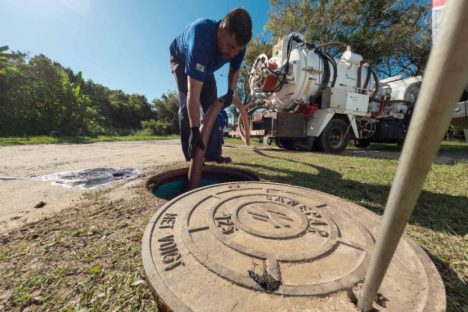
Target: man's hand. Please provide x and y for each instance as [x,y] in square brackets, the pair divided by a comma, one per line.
[227,98]
[195,141]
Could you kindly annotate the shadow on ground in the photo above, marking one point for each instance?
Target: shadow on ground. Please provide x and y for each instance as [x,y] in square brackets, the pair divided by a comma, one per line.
[444,156]
[430,211]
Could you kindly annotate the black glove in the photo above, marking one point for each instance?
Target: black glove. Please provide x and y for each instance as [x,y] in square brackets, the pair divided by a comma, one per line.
[227,98]
[195,141]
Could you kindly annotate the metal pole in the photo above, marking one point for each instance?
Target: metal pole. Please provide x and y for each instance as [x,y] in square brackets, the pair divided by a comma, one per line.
[445,77]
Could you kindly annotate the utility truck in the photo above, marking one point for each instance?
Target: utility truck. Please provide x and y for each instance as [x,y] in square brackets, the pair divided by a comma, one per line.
[303,98]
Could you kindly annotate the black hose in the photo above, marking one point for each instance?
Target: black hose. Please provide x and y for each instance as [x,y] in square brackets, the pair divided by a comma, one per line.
[376,83]
[326,59]
[335,72]
[282,77]
[358,81]
[366,82]
[326,71]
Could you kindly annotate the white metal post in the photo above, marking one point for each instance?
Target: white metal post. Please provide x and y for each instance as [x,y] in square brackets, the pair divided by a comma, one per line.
[444,79]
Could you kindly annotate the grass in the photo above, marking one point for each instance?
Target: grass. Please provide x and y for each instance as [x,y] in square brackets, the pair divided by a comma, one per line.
[7,141]
[88,257]
[444,146]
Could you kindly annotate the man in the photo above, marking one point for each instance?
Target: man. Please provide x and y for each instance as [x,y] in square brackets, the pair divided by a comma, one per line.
[204,47]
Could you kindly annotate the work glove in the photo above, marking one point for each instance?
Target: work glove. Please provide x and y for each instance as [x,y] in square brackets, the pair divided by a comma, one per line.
[195,141]
[227,98]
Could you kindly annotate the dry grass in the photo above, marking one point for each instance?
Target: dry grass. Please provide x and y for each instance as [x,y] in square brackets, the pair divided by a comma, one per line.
[88,257]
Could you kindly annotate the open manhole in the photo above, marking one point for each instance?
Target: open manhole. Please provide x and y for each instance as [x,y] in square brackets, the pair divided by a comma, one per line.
[172,183]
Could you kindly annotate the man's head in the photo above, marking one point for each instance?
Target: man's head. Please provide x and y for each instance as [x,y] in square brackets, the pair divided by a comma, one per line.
[234,32]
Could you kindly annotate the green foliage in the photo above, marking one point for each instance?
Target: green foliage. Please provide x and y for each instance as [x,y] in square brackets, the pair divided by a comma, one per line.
[167,109]
[38,96]
[167,120]
[393,35]
[4,58]
[157,127]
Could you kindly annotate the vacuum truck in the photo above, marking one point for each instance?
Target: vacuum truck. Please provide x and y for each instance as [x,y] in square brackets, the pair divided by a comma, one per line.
[303,98]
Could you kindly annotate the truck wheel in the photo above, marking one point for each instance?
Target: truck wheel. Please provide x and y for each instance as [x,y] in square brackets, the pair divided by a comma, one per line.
[361,143]
[334,137]
[287,144]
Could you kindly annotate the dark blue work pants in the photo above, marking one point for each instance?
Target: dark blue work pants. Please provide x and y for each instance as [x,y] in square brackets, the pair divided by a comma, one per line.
[207,97]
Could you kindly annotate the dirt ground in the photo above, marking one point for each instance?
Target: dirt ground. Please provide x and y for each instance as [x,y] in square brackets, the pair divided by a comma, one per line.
[22,166]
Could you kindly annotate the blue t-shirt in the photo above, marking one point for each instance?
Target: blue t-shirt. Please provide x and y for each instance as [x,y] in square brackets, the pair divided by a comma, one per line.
[197,46]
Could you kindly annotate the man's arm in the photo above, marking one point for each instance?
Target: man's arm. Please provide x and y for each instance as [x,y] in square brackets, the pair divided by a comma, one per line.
[193,101]
[232,82]
[232,78]
[193,108]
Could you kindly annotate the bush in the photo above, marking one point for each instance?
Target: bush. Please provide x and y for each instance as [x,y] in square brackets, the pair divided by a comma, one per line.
[158,127]
[144,132]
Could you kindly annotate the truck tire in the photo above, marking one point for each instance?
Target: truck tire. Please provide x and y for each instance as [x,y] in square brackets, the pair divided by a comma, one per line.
[334,137]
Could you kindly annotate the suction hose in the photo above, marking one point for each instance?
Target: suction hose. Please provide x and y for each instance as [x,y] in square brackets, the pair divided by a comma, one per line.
[243,121]
[196,164]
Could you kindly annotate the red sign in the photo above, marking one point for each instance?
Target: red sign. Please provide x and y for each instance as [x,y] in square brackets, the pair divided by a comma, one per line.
[438,3]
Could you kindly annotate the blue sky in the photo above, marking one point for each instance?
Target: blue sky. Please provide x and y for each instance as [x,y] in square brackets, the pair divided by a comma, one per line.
[121,44]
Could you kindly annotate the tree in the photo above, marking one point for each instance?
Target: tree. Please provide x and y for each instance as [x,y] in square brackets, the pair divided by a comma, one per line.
[14,93]
[393,36]
[6,58]
[167,109]
[99,102]
[166,115]
[38,95]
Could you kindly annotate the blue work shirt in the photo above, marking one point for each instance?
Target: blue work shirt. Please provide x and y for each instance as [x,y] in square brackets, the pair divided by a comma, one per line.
[197,47]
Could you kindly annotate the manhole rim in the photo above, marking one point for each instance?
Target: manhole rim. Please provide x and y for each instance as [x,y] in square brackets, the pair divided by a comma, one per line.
[173,173]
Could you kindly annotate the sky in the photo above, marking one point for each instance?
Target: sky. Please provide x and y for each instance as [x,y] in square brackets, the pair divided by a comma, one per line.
[122,44]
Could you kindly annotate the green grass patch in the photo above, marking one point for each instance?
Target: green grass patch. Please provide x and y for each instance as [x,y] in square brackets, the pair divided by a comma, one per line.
[7,141]
[444,146]
[89,258]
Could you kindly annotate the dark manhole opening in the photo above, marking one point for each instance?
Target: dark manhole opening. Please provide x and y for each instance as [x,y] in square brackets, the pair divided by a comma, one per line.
[170,184]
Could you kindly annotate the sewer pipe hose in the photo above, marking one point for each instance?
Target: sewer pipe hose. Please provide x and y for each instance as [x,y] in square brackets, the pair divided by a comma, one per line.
[196,163]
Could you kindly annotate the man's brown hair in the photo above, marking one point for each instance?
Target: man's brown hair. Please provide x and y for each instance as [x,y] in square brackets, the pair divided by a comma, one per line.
[238,21]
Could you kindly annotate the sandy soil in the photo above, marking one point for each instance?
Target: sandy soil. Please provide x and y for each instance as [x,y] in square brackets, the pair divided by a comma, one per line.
[22,166]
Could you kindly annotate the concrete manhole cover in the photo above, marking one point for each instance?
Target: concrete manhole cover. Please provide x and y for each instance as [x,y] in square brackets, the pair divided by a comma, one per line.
[263,246]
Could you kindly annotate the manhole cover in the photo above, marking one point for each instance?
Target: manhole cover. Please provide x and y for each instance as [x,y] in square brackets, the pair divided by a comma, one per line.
[264,246]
